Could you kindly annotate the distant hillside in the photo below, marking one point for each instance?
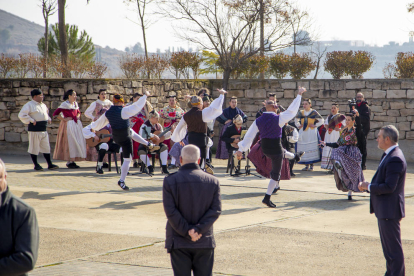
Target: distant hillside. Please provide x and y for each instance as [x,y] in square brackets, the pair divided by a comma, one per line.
[23,36]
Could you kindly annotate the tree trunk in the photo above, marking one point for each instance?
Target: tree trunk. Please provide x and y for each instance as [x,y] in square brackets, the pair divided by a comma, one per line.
[63,39]
[226,77]
[141,17]
[261,75]
[317,69]
[46,52]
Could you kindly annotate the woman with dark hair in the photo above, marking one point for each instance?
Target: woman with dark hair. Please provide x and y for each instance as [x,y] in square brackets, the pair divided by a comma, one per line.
[346,155]
[70,143]
[307,121]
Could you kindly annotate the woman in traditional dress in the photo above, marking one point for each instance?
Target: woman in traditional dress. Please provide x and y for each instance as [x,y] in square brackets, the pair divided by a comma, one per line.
[346,155]
[333,125]
[99,107]
[136,122]
[70,143]
[170,114]
[308,121]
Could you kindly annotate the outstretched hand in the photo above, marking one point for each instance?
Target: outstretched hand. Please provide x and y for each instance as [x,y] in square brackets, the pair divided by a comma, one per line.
[147,93]
[301,90]
[222,91]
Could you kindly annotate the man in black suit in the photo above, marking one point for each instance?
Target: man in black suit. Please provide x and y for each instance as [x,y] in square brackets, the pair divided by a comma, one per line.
[387,198]
[365,115]
[192,204]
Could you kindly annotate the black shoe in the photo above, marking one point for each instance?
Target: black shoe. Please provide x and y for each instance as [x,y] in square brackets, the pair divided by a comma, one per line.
[105,165]
[172,166]
[364,168]
[99,170]
[276,189]
[298,156]
[266,201]
[208,163]
[135,164]
[72,166]
[38,167]
[122,185]
[349,197]
[53,167]
[292,174]
[150,170]
[164,169]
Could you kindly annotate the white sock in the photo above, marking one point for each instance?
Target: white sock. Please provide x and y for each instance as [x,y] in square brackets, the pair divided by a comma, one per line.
[288,155]
[125,169]
[349,192]
[164,157]
[272,185]
[100,164]
[173,160]
[145,159]
[208,153]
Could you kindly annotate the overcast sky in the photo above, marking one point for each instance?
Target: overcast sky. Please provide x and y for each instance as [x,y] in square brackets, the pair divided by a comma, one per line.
[375,21]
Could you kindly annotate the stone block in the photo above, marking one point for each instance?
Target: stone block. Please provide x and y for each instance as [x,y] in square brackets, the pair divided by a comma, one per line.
[404,126]
[327,105]
[56,92]
[237,85]
[317,84]
[136,84]
[396,94]
[385,119]
[409,135]
[289,94]
[4,115]
[407,84]
[304,84]
[410,94]
[288,84]
[385,105]
[25,91]
[336,85]
[45,89]
[137,90]
[377,108]
[394,113]
[24,137]
[355,85]
[16,84]
[3,106]
[12,137]
[127,83]
[376,85]
[91,96]
[401,119]
[255,93]
[376,125]
[410,104]
[346,94]
[379,94]
[55,105]
[407,112]
[397,105]
[80,88]
[259,85]
[311,94]
[402,135]
[412,125]
[1,134]
[15,117]
[274,84]
[98,87]
[327,94]
[235,93]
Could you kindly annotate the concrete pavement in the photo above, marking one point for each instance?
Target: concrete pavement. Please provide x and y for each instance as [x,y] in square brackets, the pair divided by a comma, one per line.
[89,226]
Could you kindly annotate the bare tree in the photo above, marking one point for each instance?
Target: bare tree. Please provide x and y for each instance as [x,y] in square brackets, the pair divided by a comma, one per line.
[63,44]
[231,28]
[300,24]
[318,51]
[48,9]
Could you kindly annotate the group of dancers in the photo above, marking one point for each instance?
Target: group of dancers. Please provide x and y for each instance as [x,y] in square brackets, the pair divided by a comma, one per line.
[275,141]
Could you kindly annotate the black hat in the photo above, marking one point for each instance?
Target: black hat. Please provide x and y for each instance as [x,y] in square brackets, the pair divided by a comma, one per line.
[172,96]
[272,94]
[35,92]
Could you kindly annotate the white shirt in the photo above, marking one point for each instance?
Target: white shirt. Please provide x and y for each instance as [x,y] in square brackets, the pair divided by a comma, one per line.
[34,111]
[284,117]
[386,153]
[208,114]
[89,111]
[141,132]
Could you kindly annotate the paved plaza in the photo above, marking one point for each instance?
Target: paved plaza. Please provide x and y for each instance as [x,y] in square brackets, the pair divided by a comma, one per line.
[89,226]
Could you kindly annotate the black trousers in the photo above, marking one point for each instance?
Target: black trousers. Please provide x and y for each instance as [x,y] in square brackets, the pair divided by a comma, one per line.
[199,260]
[390,234]
[122,137]
[199,140]
[364,155]
[277,160]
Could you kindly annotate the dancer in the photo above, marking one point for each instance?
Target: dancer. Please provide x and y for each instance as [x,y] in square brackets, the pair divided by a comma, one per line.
[36,115]
[226,119]
[196,120]
[270,126]
[162,151]
[346,155]
[333,125]
[136,122]
[308,121]
[171,113]
[70,144]
[118,117]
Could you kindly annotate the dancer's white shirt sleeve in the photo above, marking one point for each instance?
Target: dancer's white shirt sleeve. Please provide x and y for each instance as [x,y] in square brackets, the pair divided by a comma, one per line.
[87,133]
[89,111]
[291,112]
[294,138]
[100,123]
[131,110]
[245,144]
[167,135]
[180,131]
[214,110]
[137,138]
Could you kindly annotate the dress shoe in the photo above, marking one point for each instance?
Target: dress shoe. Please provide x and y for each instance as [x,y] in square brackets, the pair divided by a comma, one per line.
[209,169]
[105,165]
[122,185]
[172,166]
[150,170]
[38,167]
[53,167]
[276,189]
[266,201]
[99,170]
[164,169]
[349,197]
[298,156]
[72,166]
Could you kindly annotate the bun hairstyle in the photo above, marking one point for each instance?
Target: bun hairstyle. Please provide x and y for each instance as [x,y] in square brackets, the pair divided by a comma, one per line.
[154,114]
[335,104]
[67,94]
[350,114]
[203,91]
[101,90]
[308,101]
[136,95]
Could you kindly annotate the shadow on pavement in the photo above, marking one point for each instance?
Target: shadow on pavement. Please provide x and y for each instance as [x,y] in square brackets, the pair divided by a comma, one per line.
[116,205]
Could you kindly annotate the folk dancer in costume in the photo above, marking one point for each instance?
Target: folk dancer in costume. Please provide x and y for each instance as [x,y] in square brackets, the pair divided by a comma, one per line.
[99,107]
[170,114]
[195,121]
[210,131]
[118,117]
[308,121]
[136,122]
[162,151]
[70,144]
[333,125]
[272,97]
[233,130]
[36,115]
[290,137]
[226,119]
[270,126]
[346,155]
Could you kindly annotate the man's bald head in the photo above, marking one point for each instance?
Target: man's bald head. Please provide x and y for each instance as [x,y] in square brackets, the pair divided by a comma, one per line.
[3,183]
[189,154]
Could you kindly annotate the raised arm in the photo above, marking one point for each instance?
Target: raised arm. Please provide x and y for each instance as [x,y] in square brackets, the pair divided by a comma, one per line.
[100,123]
[89,111]
[291,112]
[131,110]
[214,110]
[245,144]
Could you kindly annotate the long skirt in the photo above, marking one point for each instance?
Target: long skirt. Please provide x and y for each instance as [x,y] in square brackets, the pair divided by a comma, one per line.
[70,142]
[309,143]
[176,150]
[264,165]
[349,177]
[135,145]
[221,152]
[326,153]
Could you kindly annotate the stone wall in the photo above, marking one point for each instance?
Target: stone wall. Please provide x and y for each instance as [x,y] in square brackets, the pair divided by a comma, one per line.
[391,101]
